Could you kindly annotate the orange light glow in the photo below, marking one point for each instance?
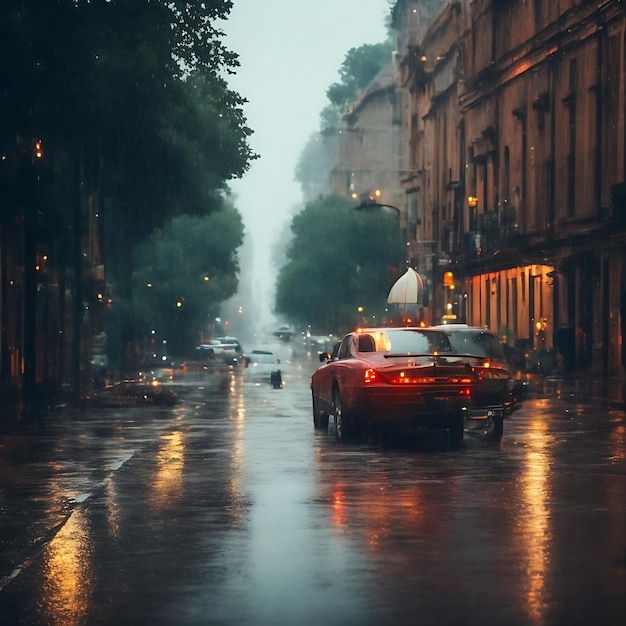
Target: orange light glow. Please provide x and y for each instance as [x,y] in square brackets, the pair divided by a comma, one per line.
[370,376]
[404,379]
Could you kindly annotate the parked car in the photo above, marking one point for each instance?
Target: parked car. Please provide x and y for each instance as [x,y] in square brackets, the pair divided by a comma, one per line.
[379,378]
[262,366]
[221,351]
[494,398]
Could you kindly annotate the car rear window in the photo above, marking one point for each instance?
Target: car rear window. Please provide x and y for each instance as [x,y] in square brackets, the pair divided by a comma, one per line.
[412,341]
[477,344]
[263,358]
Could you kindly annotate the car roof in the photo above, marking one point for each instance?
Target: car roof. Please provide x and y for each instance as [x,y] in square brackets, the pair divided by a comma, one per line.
[363,329]
[461,327]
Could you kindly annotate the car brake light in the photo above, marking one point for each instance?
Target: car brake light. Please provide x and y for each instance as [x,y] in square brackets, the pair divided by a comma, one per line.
[486,363]
[370,376]
[403,379]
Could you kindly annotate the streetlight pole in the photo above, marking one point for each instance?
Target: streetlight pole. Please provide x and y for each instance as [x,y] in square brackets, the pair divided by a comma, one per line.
[371,200]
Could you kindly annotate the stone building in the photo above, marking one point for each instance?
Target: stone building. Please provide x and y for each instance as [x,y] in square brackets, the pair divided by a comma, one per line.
[371,148]
[371,141]
[513,113]
[427,72]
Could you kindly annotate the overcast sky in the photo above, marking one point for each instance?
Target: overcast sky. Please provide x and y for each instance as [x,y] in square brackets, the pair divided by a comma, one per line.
[290,52]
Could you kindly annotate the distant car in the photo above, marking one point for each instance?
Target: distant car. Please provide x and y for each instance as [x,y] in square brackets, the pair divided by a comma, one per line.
[221,350]
[494,398]
[263,367]
[380,378]
[319,343]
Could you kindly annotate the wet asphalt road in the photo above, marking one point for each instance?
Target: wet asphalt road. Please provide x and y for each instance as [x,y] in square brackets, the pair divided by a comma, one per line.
[229,509]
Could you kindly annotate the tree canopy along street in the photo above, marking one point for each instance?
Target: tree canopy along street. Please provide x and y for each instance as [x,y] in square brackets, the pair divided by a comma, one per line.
[116,118]
[339,256]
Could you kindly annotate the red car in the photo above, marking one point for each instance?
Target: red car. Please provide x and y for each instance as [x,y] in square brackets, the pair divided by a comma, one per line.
[378,378]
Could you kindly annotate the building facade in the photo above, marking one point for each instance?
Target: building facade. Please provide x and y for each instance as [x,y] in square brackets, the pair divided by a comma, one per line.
[513,118]
[371,147]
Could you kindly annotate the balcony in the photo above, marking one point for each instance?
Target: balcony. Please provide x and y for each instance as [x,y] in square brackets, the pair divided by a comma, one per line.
[491,234]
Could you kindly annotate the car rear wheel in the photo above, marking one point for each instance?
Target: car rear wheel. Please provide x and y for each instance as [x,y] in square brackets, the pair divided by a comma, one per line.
[342,428]
[320,418]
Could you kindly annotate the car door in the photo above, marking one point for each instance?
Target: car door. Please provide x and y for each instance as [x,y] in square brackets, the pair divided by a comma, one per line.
[344,373]
[323,381]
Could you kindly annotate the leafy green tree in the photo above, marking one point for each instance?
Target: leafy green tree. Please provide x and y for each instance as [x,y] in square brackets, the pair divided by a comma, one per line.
[358,69]
[130,102]
[185,270]
[339,260]
[136,120]
[317,159]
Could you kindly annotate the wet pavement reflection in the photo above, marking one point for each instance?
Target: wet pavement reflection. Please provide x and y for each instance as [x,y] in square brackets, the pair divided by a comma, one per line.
[229,508]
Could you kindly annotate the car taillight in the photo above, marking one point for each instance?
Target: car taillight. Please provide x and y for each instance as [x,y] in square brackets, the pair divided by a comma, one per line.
[403,379]
[370,376]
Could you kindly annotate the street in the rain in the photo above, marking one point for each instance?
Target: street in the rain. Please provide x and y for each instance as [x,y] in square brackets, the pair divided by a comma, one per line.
[229,508]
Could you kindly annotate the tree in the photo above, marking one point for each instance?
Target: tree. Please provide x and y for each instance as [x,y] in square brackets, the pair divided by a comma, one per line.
[316,160]
[358,69]
[134,92]
[314,166]
[138,126]
[338,261]
[185,270]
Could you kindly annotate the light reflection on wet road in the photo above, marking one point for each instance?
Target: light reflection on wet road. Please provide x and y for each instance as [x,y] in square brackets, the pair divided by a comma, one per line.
[230,509]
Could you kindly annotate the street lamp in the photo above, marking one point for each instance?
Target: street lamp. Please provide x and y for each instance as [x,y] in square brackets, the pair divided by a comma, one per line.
[386,208]
[472,203]
[369,200]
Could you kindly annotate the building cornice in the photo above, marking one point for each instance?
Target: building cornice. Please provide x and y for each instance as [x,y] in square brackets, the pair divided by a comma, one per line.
[574,27]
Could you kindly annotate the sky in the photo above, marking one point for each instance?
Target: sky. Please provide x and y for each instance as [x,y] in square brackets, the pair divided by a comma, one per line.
[290,52]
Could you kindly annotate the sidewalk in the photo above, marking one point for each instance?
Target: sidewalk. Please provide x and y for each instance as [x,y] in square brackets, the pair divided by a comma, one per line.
[607,390]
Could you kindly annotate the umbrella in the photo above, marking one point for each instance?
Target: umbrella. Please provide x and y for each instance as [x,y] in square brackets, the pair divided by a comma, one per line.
[409,288]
